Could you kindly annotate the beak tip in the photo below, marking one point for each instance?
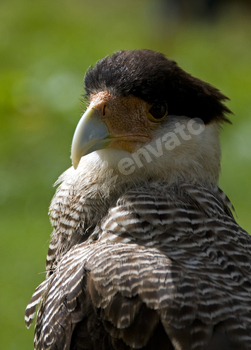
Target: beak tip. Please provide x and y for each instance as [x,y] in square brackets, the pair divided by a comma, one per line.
[74,159]
[75,162]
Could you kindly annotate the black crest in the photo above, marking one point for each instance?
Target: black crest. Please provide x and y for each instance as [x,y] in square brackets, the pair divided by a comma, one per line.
[152,77]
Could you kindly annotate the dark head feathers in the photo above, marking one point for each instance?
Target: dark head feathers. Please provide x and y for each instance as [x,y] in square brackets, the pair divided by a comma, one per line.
[152,77]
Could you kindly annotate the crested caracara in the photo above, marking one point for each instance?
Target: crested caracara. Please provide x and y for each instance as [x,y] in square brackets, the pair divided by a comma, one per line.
[145,252]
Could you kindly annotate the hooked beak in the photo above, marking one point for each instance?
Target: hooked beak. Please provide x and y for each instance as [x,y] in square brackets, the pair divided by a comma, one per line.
[91,134]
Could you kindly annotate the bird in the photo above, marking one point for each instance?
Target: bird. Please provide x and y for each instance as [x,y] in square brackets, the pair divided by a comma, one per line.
[145,251]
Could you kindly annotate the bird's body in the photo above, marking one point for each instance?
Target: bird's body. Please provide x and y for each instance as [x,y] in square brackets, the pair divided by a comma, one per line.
[145,253]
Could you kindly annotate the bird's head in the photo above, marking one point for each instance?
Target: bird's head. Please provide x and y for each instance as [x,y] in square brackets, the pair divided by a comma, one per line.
[151,118]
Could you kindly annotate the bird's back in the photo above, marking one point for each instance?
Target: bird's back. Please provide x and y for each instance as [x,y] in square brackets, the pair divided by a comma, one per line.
[165,268]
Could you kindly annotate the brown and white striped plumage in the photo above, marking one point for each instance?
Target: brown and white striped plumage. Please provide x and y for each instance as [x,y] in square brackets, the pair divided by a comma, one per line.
[153,259]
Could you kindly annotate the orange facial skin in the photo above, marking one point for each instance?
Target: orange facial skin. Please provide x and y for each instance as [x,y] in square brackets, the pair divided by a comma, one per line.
[127,118]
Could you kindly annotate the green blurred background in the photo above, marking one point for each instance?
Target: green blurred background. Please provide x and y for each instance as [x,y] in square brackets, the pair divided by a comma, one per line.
[46,47]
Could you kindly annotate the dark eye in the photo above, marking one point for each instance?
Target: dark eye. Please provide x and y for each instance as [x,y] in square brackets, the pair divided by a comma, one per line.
[158,110]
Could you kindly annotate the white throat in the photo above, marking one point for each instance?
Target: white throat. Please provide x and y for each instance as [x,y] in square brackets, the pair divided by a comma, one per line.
[182,151]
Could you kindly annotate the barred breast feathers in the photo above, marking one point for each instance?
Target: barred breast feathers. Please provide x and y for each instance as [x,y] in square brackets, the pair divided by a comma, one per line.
[179,247]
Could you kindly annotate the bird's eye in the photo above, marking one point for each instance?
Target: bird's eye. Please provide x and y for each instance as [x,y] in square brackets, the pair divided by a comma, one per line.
[158,110]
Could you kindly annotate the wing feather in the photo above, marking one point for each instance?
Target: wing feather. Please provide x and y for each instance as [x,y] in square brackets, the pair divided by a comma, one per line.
[172,263]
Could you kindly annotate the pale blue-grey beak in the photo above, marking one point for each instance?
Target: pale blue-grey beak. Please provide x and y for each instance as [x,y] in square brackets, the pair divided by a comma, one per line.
[91,134]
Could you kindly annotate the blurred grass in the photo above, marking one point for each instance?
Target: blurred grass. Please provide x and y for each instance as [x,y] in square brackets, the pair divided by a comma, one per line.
[45,48]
